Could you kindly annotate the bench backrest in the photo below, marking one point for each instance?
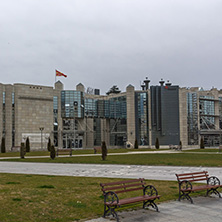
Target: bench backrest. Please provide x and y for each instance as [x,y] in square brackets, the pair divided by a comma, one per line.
[193,177]
[123,186]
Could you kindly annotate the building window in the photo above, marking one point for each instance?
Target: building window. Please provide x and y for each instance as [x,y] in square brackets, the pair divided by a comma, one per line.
[192,118]
[72,103]
[207,112]
[142,118]
[55,113]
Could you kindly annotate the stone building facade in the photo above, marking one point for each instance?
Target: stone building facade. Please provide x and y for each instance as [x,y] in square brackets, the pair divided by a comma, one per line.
[77,119]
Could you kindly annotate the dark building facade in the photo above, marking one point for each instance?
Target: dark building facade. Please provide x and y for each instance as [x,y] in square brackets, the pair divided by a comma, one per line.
[165,114]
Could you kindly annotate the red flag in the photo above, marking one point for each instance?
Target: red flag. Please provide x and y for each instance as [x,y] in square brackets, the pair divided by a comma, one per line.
[60,74]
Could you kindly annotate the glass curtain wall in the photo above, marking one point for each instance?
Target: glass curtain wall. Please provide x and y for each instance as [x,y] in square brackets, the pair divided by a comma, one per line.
[72,109]
[207,112]
[192,118]
[55,116]
[142,118]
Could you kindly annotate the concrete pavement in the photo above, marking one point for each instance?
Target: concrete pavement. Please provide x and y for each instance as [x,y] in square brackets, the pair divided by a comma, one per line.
[103,170]
[204,209]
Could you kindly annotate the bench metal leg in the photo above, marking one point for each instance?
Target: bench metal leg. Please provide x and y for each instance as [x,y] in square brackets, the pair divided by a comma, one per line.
[215,191]
[185,196]
[110,211]
[151,203]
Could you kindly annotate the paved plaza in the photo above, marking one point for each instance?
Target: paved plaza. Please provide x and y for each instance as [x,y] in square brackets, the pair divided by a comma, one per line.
[204,209]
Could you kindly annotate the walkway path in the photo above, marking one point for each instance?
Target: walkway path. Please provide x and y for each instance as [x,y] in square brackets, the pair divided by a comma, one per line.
[105,170]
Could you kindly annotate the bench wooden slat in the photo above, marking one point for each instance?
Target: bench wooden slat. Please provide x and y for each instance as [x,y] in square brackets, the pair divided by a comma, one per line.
[63,151]
[132,200]
[194,177]
[123,186]
[133,189]
[121,182]
[194,173]
[198,180]
[198,188]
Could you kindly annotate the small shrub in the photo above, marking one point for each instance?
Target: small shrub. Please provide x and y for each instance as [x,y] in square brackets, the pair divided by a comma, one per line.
[3,145]
[22,151]
[136,144]
[52,152]
[202,143]
[157,145]
[180,144]
[49,144]
[104,150]
[27,145]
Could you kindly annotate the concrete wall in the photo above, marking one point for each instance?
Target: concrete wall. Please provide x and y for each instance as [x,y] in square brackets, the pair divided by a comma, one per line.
[34,109]
[131,129]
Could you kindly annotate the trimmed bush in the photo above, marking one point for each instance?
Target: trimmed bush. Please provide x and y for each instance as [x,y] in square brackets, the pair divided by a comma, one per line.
[52,152]
[136,144]
[157,145]
[49,144]
[202,143]
[104,150]
[22,150]
[3,145]
[27,145]
[180,144]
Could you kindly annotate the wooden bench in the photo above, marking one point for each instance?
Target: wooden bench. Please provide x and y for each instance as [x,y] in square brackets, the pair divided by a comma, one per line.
[112,200]
[15,148]
[63,151]
[186,186]
[174,147]
[97,149]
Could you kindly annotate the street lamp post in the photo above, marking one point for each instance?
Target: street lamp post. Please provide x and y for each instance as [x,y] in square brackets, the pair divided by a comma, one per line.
[41,129]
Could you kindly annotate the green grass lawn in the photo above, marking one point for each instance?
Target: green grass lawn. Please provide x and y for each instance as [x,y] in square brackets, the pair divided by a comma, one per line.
[74,152]
[171,159]
[203,150]
[60,198]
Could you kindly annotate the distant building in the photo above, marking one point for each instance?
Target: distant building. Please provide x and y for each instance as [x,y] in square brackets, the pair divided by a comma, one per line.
[83,118]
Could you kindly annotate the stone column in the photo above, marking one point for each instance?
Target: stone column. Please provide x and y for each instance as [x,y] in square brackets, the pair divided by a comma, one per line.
[8,117]
[57,92]
[1,110]
[183,116]
[90,133]
[131,129]
[149,119]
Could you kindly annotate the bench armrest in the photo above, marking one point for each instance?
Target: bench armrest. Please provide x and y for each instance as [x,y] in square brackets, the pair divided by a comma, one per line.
[111,197]
[213,181]
[185,185]
[150,190]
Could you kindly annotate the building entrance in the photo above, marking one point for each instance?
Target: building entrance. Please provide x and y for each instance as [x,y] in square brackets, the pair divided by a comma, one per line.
[70,142]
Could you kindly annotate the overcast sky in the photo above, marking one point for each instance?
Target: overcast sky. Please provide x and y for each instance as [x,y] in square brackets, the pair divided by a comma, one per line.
[101,43]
